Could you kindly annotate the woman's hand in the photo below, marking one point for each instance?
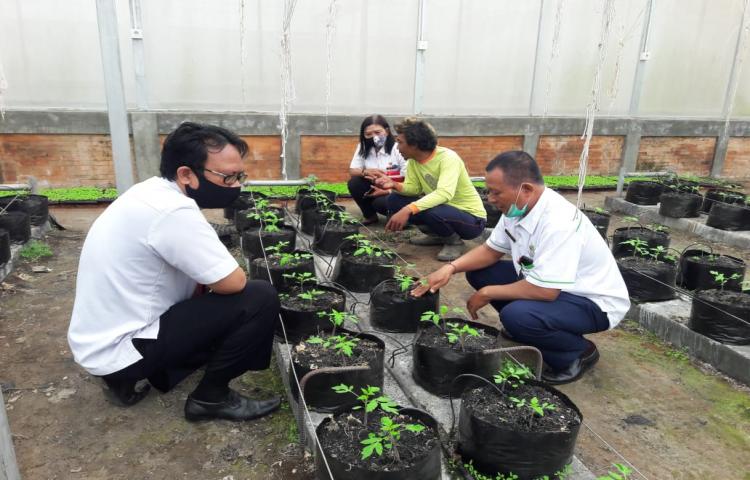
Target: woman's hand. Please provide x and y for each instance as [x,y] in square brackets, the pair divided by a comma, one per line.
[373,173]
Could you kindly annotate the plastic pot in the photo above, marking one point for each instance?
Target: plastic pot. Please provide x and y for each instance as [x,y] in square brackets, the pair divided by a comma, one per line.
[696,273]
[493,214]
[4,247]
[599,220]
[623,234]
[361,274]
[18,226]
[643,192]
[318,384]
[648,280]
[329,236]
[243,222]
[725,216]
[392,310]
[500,449]
[300,324]
[254,241]
[680,205]
[435,367]
[427,467]
[721,196]
[259,270]
[37,206]
[713,315]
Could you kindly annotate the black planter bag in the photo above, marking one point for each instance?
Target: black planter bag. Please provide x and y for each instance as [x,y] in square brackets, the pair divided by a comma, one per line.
[301,324]
[37,206]
[643,192]
[680,205]
[258,271]
[4,247]
[648,281]
[682,264]
[721,196]
[714,318]
[392,311]
[493,214]
[242,222]
[309,218]
[649,236]
[696,273]
[18,226]
[245,201]
[305,200]
[318,386]
[599,220]
[427,468]
[530,455]
[329,236]
[434,368]
[729,217]
[254,241]
[360,277]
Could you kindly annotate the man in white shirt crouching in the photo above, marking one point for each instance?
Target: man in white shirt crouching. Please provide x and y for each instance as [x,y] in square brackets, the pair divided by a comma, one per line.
[561,282]
[140,310]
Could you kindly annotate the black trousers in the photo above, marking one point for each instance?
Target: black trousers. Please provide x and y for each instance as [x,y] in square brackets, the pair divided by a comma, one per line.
[229,334]
[370,206]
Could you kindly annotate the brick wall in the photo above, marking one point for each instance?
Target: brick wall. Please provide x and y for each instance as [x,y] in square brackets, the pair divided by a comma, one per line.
[476,152]
[559,155]
[682,155]
[737,162]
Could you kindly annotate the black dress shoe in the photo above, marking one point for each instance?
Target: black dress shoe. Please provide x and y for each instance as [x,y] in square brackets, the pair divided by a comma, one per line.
[236,407]
[124,394]
[575,370]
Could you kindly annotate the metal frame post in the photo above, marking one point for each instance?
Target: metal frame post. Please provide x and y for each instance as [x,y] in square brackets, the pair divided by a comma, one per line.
[419,62]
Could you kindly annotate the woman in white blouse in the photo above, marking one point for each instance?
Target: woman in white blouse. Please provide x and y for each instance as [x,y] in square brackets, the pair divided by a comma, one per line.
[376,155]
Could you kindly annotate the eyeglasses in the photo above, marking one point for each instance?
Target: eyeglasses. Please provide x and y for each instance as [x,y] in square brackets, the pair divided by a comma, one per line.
[229,179]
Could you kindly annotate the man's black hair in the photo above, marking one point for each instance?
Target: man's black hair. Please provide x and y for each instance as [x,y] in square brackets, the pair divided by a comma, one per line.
[517,167]
[390,140]
[189,144]
[418,133]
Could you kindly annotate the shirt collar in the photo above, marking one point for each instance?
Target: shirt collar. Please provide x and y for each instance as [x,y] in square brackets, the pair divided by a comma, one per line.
[531,219]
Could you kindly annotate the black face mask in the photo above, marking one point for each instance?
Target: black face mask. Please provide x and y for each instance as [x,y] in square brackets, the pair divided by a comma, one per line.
[210,195]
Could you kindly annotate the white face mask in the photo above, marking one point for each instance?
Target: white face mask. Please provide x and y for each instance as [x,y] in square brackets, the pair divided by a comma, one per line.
[378,141]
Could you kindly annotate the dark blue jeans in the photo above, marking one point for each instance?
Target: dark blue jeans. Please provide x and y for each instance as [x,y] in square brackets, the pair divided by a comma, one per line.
[556,328]
[370,206]
[443,220]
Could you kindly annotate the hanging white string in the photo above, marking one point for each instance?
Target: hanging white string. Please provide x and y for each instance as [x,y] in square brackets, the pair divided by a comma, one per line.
[741,53]
[593,107]
[554,52]
[243,52]
[3,89]
[626,33]
[330,30]
[287,83]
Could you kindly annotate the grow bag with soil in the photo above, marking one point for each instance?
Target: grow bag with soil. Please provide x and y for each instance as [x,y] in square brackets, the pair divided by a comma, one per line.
[305,199]
[243,222]
[301,317]
[436,362]
[498,437]
[648,280]
[393,310]
[4,247]
[340,438]
[713,315]
[37,206]
[320,369]
[362,273]
[330,235]
[18,226]
[623,234]
[254,241]
[680,205]
[493,214]
[725,216]
[600,220]
[310,217]
[260,267]
[721,196]
[643,192]
[245,201]
[697,267]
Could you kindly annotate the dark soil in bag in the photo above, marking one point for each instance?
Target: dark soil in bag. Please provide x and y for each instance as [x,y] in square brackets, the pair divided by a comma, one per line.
[680,205]
[729,217]
[696,273]
[329,236]
[243,222]
[4,247]
[393,310]
[648,280]
[335,368]
[18,226]
[301,317]
[437,362]
[340,437]
[713,315]
[600,220]
[649,236]
[254,241]
[260,267]
[497,436]
[722,196]
[362,273]
[37,206]
[643,192]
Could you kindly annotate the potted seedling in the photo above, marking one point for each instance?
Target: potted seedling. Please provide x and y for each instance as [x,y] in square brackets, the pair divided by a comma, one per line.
[332,229]
[245,201]
[16,222]
[378,440]
[643,192]
[715,195]
[394,309]
[654,235]
[312,197]
[720,314]
[649,273]
[331,358]
[272,232]
[252,218]
[684,203]
[446,347]
[517,427]
[621,472]
[301,306]
[493,214]
[364,266]
[698,265]
[729,216]
[279,263]
[599,218]
[36,206]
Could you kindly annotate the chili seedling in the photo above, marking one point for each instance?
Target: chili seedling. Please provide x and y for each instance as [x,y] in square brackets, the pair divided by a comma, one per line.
[369,398]
[458,333]
[721,279]
[337,318]
[438,318]
[387,437]
[512,374]
[622,473]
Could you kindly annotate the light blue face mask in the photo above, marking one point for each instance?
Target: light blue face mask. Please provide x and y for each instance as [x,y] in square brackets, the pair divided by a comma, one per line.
[514,211]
